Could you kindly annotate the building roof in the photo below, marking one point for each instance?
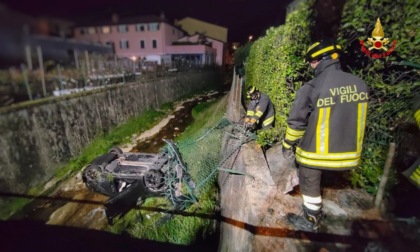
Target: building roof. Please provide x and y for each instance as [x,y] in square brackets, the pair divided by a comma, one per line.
[193,26]
[116,20]
[201,21]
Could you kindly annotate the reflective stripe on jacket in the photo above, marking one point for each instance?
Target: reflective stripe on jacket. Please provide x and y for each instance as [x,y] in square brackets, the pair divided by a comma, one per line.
[416,109]
[328,119]
[413,172]
[261,111]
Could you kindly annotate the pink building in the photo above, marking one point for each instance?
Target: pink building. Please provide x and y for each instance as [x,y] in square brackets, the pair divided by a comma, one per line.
[141,38]
[151,39]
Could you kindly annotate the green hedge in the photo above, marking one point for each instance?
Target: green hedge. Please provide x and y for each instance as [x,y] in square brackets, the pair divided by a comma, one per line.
[392,85]
[276,66]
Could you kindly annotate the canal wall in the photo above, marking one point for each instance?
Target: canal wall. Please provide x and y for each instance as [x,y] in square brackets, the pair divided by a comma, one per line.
[36,139]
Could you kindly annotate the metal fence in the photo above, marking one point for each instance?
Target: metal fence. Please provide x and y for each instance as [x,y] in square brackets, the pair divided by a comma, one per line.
[86,72]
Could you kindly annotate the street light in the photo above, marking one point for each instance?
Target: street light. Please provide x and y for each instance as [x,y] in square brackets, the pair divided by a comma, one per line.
[250,37]
[133,58]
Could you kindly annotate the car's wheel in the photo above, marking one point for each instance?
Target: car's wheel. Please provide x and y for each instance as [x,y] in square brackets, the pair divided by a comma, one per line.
[97,181]
[91,176]
[115,150]
[153,179]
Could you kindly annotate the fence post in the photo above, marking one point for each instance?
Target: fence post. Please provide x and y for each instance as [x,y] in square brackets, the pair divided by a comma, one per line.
[384,178]
[83,72]
[76,58]
[41,68]
[25,79]
[87,63]
[28,56]
[60,78]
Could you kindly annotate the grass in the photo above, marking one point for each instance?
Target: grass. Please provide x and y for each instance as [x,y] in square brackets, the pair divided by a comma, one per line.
[119,135]
[183,230]
[208,113]
[10,206]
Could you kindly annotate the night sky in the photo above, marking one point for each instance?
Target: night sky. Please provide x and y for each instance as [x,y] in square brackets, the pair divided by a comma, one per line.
[241,17]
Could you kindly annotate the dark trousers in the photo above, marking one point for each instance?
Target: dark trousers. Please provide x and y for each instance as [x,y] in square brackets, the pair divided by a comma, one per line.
[310,181]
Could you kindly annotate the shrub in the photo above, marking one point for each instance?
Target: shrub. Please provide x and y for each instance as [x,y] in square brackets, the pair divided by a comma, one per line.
[391,84]
[276,66]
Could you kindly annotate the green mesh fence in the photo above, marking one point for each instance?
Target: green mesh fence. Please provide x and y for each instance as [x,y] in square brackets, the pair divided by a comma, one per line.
[389,114]
[203,155]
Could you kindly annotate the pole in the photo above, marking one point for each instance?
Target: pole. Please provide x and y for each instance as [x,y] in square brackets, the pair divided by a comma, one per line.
[60,78]
[25,79]
[41,68]
[384,178]
[28,56]
[76,59]
[82,70]
[87,63]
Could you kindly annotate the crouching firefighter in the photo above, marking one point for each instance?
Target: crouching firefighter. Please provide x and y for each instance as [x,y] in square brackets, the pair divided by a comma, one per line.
[260,110]
[325,128]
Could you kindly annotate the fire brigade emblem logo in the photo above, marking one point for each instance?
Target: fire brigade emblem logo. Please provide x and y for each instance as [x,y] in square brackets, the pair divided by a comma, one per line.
[378,44]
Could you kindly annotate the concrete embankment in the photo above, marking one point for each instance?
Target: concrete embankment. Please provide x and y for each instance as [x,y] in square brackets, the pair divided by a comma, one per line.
[36,139]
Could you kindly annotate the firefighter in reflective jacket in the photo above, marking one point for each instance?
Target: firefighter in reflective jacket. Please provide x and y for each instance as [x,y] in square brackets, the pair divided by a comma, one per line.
[413,172]
[325,128]
[260,110]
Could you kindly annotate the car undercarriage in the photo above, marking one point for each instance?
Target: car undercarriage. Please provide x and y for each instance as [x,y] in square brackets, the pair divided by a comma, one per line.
[129,178]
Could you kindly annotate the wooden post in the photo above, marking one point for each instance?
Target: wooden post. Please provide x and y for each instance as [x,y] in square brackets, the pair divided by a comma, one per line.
[28,56]
[76,59]
[87,63]
[384,178]
[60,78]
[25,79]
[41,68]
[93,65]
[82,70]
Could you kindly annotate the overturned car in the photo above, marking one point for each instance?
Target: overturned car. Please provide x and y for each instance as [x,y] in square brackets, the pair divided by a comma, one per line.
[129,178]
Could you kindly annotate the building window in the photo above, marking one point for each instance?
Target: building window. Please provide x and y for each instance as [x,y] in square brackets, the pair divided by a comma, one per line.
[154,27]
[106,29]
[154,43]
[140,27]
[123,28]
[142,44]
[82,30]
[91,30]
[124,44]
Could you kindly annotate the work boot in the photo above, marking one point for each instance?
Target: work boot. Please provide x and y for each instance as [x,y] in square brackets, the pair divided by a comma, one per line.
[308,221]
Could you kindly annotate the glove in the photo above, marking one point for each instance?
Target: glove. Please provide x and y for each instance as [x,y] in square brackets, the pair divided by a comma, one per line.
[288,154]
[288,150]
[249,125]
